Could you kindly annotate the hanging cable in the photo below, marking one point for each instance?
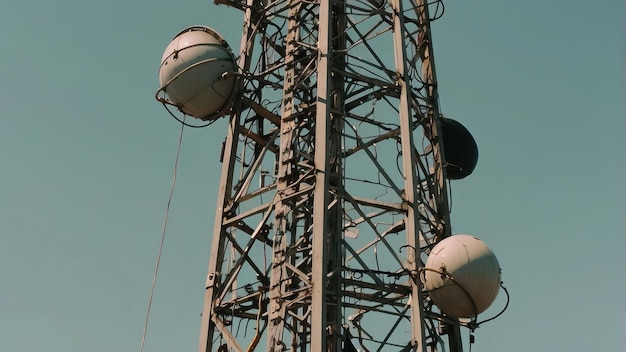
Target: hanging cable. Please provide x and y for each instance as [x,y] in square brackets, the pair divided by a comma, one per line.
[167,210]
[185,116]
[508,299]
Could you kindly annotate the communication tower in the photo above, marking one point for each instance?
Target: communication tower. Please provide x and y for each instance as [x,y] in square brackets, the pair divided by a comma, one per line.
[332,229]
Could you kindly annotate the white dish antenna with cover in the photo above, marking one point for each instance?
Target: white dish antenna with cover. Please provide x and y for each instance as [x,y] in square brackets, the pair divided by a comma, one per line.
[462,276]
[197,74]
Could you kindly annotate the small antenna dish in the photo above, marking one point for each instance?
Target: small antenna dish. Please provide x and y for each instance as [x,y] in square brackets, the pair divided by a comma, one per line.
[462,276]
[460,149]
[197,74]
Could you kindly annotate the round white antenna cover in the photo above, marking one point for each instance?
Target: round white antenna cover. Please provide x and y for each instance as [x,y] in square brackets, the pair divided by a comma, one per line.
[192,73]
[462,276]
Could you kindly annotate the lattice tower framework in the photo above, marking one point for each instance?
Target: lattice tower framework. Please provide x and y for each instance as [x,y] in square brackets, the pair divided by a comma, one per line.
[333,187]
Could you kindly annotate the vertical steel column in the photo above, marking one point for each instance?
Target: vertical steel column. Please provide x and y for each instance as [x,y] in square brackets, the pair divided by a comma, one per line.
[321,232]
[208,326]
[410,179]
[208,316]
[429,75]
[326,328]
[284,221]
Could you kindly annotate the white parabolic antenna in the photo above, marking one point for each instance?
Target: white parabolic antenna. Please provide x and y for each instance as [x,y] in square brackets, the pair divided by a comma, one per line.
[462,276]
[194,73]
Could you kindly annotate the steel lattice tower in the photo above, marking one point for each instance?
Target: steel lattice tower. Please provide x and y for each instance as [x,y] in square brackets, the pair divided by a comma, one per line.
[332,186]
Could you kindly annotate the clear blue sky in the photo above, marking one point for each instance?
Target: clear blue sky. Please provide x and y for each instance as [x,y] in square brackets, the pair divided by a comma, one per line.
[86,157]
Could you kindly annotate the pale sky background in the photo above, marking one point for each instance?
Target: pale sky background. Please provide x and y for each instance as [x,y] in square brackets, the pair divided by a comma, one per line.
[86,158]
